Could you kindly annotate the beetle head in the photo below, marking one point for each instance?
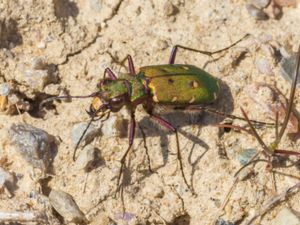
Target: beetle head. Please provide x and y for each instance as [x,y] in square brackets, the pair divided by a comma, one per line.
[111,97]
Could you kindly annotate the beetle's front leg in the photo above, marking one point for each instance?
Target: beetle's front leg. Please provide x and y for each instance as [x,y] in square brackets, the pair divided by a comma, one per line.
[110,74]
[131,65]
[131,138]
[170,127]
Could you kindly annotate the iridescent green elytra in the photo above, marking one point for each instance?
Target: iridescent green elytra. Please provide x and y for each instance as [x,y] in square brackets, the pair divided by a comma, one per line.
[181,84]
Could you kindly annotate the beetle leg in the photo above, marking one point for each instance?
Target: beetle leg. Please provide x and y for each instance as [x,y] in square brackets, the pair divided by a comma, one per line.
[170,127]
[110,74]
[209,53]
[131,138]
[131,65]
[146,148]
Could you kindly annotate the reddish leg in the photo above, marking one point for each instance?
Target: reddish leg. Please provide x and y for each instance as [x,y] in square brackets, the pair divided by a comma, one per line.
[110,74]
[131,138]
[131,65]
[175,48]
[170,127]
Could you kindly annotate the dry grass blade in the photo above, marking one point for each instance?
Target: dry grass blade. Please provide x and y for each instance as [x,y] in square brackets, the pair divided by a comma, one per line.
[254,132]
[291,100]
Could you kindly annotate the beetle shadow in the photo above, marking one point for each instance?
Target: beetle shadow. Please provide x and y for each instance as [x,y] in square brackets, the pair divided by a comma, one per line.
[182,118]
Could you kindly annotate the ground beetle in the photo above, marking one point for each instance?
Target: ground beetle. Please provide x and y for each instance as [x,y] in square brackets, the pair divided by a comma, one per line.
[176,85]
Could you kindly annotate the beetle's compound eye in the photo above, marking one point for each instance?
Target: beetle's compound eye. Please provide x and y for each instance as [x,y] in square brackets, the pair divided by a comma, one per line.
[117,103]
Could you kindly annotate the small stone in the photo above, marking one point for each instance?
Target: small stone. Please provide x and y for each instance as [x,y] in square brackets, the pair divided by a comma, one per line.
[4,89]
[21,104]
[161,45]
[52,89]
[96,5]
[263,66]
[7,182]
[78,130]
[286,216]
[36,79]
[86,158]
[246,155]
[65,205]
[256,12]
[288,67]
[35,145]
[38,63]
[41,45]
[114,126]
[170,9]
[261,3]
[223,222]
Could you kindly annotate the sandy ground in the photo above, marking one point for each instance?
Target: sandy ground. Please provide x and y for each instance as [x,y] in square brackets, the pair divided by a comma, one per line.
[77,40]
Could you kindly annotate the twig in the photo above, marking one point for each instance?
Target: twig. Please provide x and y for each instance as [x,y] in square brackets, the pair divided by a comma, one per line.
[33,216]
[273,201]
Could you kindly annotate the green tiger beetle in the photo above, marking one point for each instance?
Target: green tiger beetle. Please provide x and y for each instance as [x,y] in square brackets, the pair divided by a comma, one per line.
[177,85]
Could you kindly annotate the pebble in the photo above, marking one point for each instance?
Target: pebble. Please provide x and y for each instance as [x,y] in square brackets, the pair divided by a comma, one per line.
[7,182]
[21,104]
[288,67]
[86,158]
[36,79]
[39,74]
[223,222]
[245,155]
[4,89]
[65,205]
[261,3]
[263,66]
[38,63]
[79,128]
[286,216]
[256,12]
[170,9]
[161,44]
[52,89]
[114,126]
[35,145]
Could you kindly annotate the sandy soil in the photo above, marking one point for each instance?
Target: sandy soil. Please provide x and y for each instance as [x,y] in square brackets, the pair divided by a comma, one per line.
[77,40]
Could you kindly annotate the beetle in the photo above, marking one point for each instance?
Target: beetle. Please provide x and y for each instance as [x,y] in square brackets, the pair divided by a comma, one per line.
[179,86]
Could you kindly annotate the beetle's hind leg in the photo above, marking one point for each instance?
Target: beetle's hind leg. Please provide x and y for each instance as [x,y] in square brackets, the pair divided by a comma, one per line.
[209,53]
[170,127]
